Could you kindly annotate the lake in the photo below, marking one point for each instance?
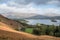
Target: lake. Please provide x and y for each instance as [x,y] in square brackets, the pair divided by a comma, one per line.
[42,21]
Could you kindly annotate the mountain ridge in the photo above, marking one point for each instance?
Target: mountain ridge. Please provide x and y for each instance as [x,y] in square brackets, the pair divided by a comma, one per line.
[33,16]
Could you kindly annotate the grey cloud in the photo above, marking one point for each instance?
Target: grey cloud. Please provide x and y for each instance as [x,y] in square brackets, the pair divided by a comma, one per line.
[26,2]
[33,1]
[40,1]
[36,2]
[4,1]
[23,2]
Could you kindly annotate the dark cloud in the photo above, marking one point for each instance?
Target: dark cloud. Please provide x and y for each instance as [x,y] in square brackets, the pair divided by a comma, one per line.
[40,1]
[26,2]
[23,2]
[58,3]
[33,1]
[4,1]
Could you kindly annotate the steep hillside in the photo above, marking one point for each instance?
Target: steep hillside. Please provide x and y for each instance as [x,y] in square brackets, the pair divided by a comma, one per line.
[7,33]
[12,23]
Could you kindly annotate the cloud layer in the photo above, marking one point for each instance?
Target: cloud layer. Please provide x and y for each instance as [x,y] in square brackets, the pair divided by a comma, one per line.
[30,6]
[36,2]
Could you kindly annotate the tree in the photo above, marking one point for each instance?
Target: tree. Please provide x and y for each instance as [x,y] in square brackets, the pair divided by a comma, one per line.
[36,31]
[56,31]
[22,29]
[47,31]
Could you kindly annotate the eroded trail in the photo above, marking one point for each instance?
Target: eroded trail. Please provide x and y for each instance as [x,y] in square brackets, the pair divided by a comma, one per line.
[9,34]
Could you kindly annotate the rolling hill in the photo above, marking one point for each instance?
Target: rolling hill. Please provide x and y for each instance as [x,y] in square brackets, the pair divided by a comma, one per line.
[8,33]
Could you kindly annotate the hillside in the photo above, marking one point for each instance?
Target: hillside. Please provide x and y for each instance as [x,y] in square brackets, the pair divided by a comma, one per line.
[39,17]
[12,23]
[7,33]
[32,16]
[56,17]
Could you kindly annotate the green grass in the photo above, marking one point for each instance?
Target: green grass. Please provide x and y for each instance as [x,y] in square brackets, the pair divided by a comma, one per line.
[29,30]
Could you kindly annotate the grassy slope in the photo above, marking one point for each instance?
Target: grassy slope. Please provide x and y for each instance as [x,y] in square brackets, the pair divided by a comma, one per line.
[7,33]
[29,30]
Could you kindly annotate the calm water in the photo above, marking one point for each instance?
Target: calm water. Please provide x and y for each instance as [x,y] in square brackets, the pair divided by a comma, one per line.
[42,21]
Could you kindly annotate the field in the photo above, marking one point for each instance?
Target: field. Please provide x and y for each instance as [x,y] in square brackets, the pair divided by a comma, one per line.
[29,30]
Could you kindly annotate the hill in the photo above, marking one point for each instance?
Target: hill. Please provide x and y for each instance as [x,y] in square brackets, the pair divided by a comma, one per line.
[20,15]
[56,17]
[39,17]
[12,23]
[32,16]
[43,17]
[7,33]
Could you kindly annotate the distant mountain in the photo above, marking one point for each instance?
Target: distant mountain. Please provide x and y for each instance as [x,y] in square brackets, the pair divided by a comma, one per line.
[21,15]
[39,17]
[26,15]
[32,16]
[51,14]
[56,17]
[46,16]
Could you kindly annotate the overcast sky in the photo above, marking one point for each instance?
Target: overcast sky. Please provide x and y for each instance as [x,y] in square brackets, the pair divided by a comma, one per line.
[30,6]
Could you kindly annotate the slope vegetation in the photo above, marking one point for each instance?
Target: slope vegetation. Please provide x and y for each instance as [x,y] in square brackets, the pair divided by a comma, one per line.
[7,33]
